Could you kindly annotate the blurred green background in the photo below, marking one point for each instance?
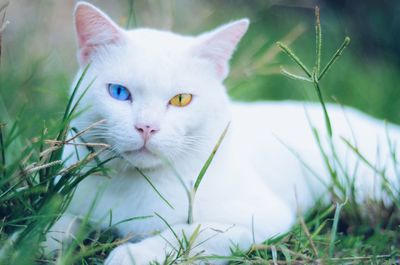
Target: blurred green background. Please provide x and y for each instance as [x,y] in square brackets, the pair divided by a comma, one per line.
[39,57]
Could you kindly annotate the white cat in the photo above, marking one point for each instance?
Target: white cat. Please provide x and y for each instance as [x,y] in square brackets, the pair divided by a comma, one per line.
[162,98]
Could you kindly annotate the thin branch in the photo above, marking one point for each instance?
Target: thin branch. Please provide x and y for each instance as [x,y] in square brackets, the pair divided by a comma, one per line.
[294,76]
[296,59]
[318,40]
[337,54]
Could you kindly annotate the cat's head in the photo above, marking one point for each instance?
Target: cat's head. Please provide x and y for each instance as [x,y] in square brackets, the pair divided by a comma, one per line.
[160,93]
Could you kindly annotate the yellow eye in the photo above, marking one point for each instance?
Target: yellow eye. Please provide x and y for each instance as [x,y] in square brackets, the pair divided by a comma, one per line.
[181,100]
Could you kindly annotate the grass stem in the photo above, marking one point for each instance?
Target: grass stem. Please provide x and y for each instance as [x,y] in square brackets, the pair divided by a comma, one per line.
[2,152]
[336,56]
[318,39]
[296,59]
[322,102]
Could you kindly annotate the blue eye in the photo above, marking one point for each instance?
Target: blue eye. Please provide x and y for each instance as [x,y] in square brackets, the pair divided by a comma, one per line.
[119,92]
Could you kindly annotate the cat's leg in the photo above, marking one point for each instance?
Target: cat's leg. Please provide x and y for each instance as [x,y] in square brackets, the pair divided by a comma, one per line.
[61,233]
[213,239]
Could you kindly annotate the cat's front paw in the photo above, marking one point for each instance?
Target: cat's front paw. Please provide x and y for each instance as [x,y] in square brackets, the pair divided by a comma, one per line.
[132,254]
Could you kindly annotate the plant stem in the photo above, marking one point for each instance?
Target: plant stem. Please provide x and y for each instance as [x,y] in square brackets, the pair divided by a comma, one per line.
[321,100]
[191,196]
[296,59]
[294,76]
[337,54]
[2,149]
[318,39]
[131,16]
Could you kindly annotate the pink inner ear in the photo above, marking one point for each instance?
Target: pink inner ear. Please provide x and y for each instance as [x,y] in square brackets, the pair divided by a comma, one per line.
[93,29]
[217,54]
[220,44]
[84,54]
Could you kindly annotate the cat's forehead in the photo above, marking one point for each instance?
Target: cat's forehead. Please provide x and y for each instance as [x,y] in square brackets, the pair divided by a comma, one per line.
[151,58]
[159,42]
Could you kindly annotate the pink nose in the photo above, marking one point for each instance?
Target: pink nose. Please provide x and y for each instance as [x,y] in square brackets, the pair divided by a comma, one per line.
[146,131]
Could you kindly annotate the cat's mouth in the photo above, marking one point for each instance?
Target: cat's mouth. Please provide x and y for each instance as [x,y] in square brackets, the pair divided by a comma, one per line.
[141,151]
[142,157]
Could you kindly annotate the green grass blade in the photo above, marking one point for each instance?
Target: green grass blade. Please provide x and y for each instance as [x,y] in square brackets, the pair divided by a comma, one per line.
[362,157]
[210,159]
[203,171]
[131,15]
[154,188]
[74,91]
[392,150]
[334,228]
[56,155]
[194,235]
[2,152]
[286,253]
[177,175]
[3,23]
[172,230]
[110,226]
[80,98]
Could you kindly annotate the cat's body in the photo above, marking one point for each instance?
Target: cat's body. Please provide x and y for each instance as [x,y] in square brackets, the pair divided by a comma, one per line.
[255,184]
[284,142]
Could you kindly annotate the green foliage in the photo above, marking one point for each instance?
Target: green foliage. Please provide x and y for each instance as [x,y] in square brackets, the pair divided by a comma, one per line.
[31,199]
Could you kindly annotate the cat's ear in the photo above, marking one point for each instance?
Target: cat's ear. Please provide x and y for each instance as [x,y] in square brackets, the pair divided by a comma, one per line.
[93,29]
[219,45]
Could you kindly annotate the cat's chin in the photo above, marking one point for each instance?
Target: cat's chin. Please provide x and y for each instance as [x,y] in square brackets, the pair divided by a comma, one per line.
[143,159]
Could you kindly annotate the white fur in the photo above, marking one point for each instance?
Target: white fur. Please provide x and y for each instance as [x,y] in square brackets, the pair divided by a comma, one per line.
[253,179]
